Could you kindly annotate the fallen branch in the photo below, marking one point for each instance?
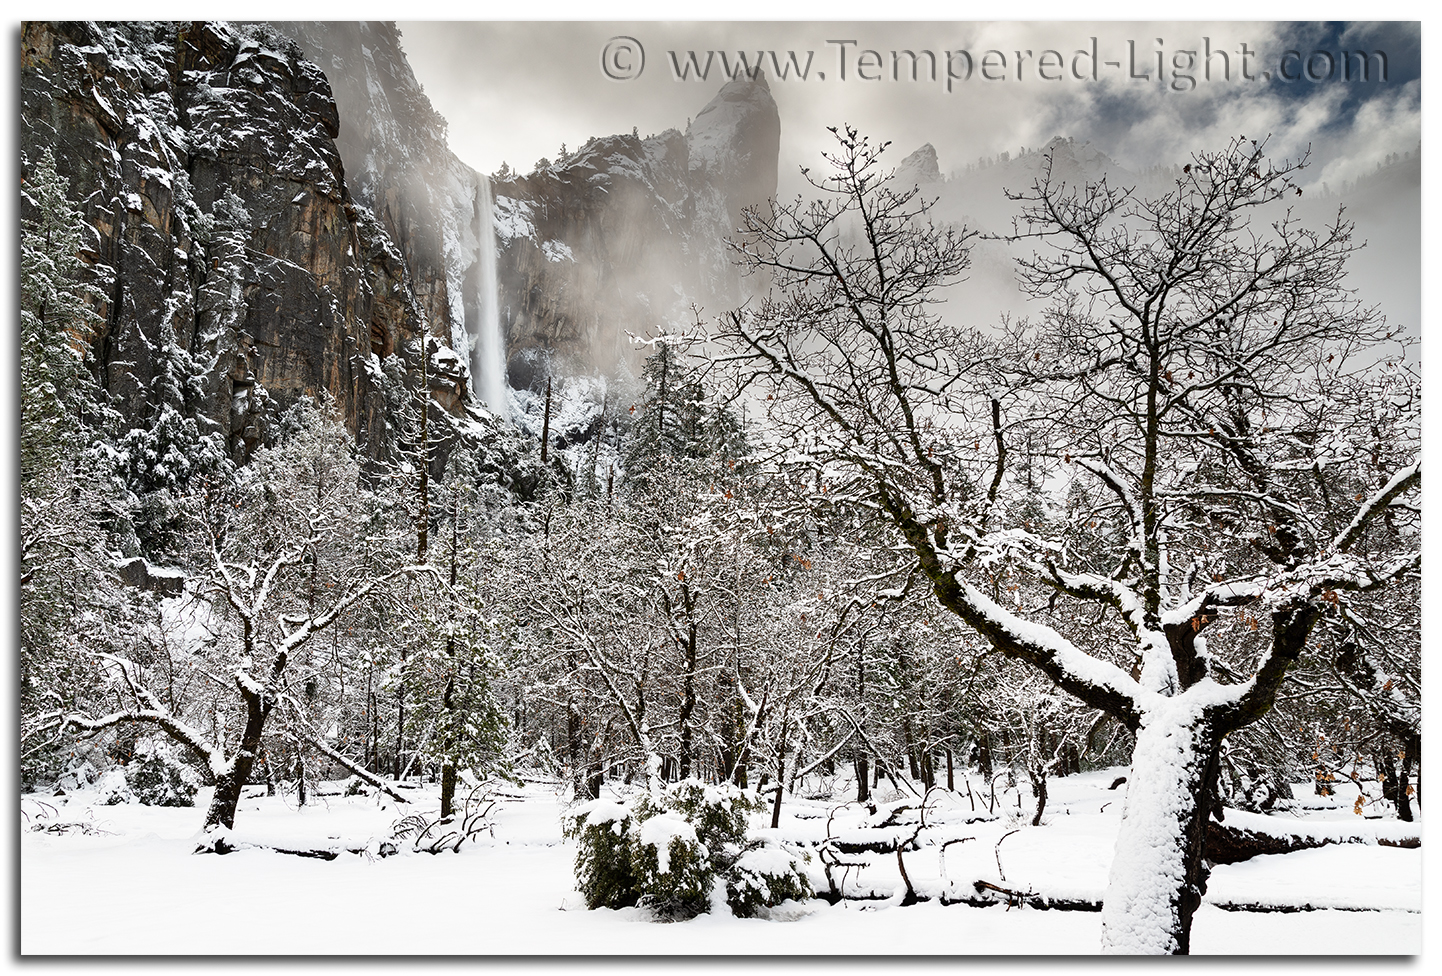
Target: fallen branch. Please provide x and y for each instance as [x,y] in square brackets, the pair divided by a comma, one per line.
[315,741]
[218,841]
[988,894]
[1253,906]
[1245,836]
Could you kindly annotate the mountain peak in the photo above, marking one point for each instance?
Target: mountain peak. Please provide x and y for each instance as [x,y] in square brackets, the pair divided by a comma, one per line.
[738,135]
[918,168]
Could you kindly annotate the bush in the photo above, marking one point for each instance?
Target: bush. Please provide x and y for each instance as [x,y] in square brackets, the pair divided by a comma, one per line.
[670,867]
[719,814]
[80,775]
[157,777]
[603,858]
[764,877]
[113,789]
[668,852]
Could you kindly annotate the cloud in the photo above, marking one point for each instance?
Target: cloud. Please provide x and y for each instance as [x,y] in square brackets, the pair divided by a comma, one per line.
[516,91]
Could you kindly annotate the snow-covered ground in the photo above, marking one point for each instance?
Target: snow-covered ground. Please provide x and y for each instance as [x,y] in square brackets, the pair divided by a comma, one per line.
[131,886]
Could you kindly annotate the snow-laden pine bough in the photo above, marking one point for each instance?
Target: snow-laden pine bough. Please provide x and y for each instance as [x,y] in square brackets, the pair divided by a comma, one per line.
[1196,413]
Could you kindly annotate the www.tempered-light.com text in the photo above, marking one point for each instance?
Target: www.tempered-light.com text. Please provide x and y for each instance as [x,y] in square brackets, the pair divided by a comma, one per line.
[1181,69]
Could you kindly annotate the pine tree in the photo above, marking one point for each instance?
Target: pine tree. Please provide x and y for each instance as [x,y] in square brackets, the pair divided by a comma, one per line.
[55,322]
[675,422]
[68,599]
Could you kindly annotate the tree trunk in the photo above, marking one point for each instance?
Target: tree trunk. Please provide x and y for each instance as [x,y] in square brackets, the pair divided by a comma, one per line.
[400,717]
[228,785]
[546,427]
[448,789]
[688,695]
[863,779]
[1158,877]
[574,754]
[1387,769]
[983,755]
[1037,774]
[300,774]
[1404,788]
[780,775]
[910,743]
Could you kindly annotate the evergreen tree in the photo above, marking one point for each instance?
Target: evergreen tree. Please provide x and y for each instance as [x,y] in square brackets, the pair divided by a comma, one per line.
[675,421]
[55,322]
[67,596]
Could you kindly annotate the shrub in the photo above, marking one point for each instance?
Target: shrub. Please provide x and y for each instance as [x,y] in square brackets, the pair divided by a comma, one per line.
[157,777]
[719,814]
[113,789]
[764,877]
[80,775]
[603,858]
[667,851]
[670,867]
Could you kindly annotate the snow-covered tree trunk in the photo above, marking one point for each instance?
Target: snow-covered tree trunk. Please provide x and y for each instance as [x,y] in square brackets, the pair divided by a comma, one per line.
[1158,877]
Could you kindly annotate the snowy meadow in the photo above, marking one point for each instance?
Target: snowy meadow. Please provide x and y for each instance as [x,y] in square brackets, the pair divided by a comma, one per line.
[513,890]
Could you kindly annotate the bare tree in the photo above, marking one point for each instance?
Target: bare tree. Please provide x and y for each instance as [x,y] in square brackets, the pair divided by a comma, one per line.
[1164,379]
[278,538]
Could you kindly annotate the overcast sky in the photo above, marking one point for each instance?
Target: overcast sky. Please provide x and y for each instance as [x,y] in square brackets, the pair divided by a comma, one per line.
[515,92]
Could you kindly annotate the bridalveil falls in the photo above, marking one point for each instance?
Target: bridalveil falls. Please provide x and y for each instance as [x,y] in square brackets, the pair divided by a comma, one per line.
[488,358]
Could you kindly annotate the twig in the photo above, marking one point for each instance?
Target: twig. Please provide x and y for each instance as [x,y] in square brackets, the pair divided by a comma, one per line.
[997,851]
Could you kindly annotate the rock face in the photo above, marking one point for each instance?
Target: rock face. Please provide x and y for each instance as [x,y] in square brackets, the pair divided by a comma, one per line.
[274,211]
[620,236]
[626,233]
[918,169]
[223,235]
[398,165]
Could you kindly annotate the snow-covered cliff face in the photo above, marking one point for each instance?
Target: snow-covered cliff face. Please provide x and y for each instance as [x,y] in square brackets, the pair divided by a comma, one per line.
[222,233]
[918,169]
[626,233]
[621,236]
[278,203]
[398,165]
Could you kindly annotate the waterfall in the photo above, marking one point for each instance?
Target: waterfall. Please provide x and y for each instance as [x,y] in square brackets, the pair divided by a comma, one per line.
[488,355]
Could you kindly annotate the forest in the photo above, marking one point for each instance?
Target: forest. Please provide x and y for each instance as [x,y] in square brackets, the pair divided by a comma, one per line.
[825,543]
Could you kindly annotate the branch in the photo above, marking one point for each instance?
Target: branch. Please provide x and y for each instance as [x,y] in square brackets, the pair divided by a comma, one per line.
[1404,480]
[305,732]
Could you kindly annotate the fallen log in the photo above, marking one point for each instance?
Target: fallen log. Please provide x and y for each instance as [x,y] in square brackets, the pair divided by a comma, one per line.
[988,894]
[221,844]
[1241,836]
[1256,906]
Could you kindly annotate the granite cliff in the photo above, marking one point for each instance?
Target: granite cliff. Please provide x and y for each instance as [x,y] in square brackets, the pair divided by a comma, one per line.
[221,229]
[273,211]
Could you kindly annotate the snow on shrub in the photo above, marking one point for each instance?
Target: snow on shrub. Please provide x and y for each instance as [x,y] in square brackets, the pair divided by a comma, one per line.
[79,776]
[113,789]
[719,814]
[672,850]
[764,877]
[671,868]
[603,859]
[158,778]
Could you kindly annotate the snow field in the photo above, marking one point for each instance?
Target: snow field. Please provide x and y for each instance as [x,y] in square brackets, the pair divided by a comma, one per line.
[138,889]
